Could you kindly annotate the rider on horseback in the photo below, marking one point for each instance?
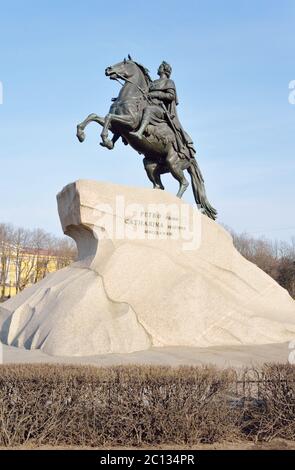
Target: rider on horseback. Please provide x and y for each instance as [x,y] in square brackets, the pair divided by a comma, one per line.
[165,145]
[162,99]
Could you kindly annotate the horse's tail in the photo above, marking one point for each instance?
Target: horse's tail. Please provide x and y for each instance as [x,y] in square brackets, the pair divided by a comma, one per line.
[199,190]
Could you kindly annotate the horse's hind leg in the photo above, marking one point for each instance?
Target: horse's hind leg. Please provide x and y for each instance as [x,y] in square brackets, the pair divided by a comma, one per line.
[153,171]
[91,118]
[175,166]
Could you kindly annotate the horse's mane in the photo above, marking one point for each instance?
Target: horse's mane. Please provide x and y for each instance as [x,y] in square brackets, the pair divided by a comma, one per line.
[145,72]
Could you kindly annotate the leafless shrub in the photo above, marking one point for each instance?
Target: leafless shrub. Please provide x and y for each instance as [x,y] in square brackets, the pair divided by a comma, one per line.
[272,414]
[114,406]
[144,405]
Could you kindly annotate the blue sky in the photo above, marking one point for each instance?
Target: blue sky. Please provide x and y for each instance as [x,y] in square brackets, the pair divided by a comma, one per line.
[232,63]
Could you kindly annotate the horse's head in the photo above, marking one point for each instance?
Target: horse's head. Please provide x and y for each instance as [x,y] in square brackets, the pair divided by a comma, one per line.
[126,69]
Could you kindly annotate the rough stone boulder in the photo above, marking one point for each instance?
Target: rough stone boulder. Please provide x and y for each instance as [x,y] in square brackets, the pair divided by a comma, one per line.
[151,271]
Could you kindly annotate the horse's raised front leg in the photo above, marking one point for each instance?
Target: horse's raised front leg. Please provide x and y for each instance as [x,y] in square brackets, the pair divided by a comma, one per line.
[110,119]
[110,144]
[91,118]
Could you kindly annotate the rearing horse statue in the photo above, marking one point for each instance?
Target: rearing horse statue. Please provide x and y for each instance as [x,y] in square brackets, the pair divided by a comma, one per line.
[159,142]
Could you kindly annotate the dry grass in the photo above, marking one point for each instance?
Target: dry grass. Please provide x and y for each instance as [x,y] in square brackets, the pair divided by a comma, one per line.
[55,405]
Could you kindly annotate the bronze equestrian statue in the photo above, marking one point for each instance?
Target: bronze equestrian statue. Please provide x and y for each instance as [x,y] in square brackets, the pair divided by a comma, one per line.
[144,116]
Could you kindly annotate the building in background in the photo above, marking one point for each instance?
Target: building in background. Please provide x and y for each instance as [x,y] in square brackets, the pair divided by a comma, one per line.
[27,256]
[22,268]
